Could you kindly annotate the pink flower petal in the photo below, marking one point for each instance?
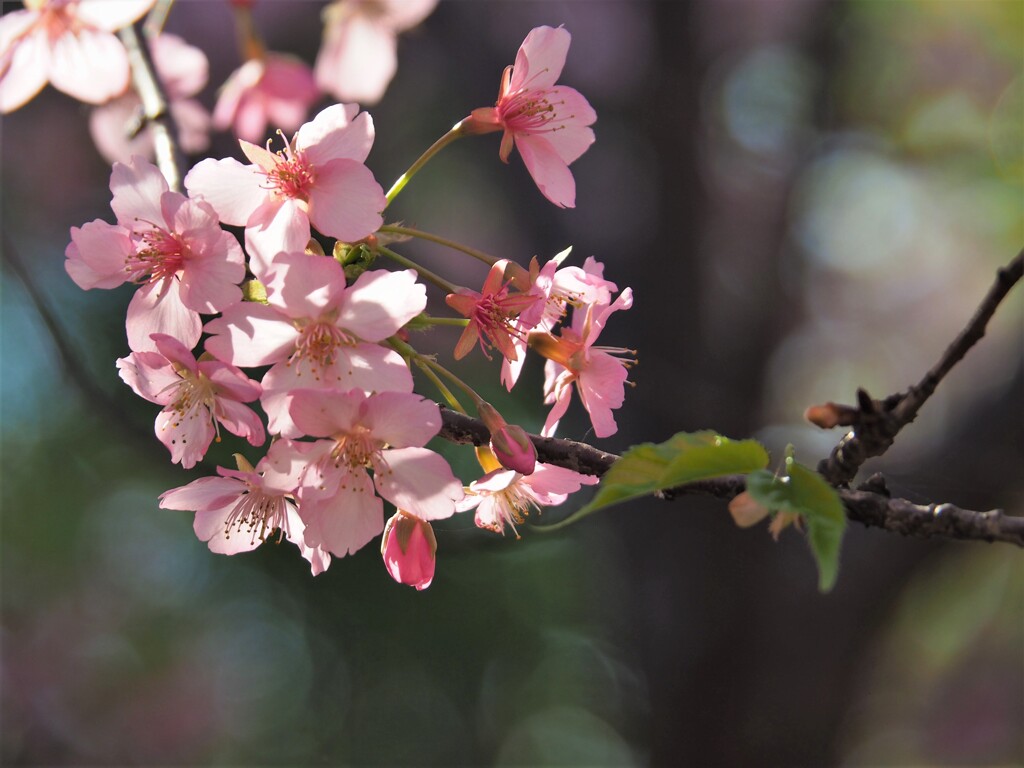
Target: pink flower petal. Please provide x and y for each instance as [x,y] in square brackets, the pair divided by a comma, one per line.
[550,485]
[230,382]
[251,334]
[371,368]
[89,65]
[234,190]
[403,14]
[150,376]
[240,420]
[549,171]
[25,64]
[540,59]
[305,286]
[346,202]
[96,255]
[357,60]
[602,390]
[339,132]
[402,420]
[183,69]
[418,480]
[138,187]
[175,352]
[204,494]
[193,123]
[325,413]
[573,137]
[157,308]
[186,436]
[111,15]
[380,302]
[276,226]
[348,520]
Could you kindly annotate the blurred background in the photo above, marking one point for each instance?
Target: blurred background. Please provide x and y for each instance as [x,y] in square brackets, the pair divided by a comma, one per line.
[806,197]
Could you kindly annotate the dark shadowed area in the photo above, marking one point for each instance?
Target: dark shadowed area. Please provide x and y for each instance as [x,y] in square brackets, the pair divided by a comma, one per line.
[806,198]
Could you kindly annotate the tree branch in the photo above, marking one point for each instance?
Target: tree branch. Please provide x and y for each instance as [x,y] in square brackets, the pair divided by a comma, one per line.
[874,423]
[869,505]
[875,426]
[156,112]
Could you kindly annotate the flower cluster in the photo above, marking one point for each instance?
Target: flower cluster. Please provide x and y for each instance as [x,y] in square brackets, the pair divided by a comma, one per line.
[324,342]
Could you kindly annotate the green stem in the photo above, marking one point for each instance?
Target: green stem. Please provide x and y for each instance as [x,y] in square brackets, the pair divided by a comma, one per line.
[451,377]
[461,322]
[449,397]
[395,229]
[426,364]
[423,272]
[455,133]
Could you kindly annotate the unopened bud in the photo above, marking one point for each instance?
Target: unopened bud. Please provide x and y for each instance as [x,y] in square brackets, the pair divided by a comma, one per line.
[831,415]
[509,442]
[409,548]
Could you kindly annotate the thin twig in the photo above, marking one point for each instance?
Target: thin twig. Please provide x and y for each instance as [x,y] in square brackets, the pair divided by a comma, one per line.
[875,423]
[156,112]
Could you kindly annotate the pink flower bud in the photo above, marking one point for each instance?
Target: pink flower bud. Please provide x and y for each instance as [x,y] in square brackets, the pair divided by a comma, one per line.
[408,547]
[509,442]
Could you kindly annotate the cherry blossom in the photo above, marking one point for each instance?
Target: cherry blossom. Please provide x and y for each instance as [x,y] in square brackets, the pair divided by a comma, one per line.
[599,372]
[408,548]
[183,70]
[383,432]
[318,332]
[195,396]
[555,289]
[358,57]
[68,43]
[318,178]
[171,246]
[240,509]
[547,123]
[504,497]
[490,312]
[276,88]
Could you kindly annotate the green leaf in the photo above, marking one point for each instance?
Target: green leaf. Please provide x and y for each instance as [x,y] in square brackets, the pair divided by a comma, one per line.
[683,458]
[804,492]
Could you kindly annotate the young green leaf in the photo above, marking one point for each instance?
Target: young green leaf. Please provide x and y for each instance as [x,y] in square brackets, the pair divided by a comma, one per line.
[804,492]
[683,458]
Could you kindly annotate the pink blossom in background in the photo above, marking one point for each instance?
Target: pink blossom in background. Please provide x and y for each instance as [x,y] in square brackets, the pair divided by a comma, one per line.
[504,497]
[195,396]
[318,332]
[240,509]
[71,45]
[276,89]
[172,247]
[547,123]
[408,547]
[357,57]
[491,312]
[319,179]
[383,432]
[183,70]
[599,372]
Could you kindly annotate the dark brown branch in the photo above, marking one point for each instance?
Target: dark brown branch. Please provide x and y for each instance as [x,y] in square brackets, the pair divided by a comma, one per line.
[869,505]
[875,423]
